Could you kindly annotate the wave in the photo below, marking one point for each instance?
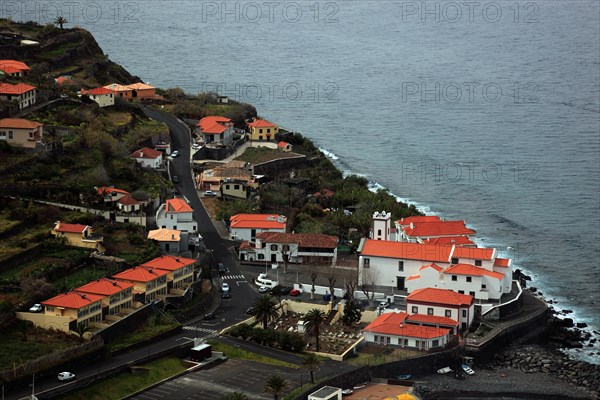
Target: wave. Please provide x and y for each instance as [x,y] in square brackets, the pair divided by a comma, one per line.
[328,154]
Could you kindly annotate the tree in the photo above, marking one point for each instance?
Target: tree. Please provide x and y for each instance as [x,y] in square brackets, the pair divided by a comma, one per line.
[275,386]
[331,280]
[60,21]
[313,321]
[24,327]
[266,309]
[81,329]
[311,362]
[350,282]
[234,396]
[369,279]
[313,272]
[352,312]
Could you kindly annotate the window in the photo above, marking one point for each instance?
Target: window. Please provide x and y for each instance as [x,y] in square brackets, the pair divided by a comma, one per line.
[236,187]
[400,266]
[469,279]
[454,260]
[478,263]
[50,308]
[269,130]
[261,256]
[175,227]
[285,247]
[448,313]
[388,339]
[464,313]
[435,343]
[406,342]
[378,232]
[454,278]
[260,131]
[472,294]
[274,247]
[483,286]
[376,338]
[415,309]
[227,187]
[367,263]
[461,291]
[10,134]
[429,311]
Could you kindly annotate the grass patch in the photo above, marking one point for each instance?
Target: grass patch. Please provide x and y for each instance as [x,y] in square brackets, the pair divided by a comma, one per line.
[257,155]
[239,354]
[126,383]
[362,359]
[154,326]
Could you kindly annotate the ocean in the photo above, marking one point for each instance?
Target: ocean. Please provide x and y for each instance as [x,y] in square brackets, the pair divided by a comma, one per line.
[486,111]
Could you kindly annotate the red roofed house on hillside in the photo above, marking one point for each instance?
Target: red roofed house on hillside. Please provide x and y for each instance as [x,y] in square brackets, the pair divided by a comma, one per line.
[180,271]
[21,132]
[297,247]
[284,147]
[148,158]
[442,303]
[24,95]
[78,235]
[176,214]
[261,129]
[128,204]
[111,194]
[78,307]
[13,68]
[101,95]
[169,240]
[418,232]
[215,129]
[142,90]
[245,227]
[118,296]
[149,283]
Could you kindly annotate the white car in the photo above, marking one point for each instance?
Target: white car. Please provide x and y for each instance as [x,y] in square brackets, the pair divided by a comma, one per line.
[66,376]
[36,308]
[383,305]
[209,193]
[175,154]
[196,146]
[263,289]
[225,287]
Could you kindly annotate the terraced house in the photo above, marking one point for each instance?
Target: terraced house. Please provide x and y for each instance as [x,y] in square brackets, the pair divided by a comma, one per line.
[77,307]
[148,283]
[117,296]
[180,271]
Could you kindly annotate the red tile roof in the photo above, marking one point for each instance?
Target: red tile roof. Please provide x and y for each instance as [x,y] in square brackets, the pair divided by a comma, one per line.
[432,265]
[62,79]
[20,88]
[165,235]
[104,286]
[246,246]
[439,296]
[9,69]
[96,91]
[418,218]
[70,228]
[316,240]
[474,253]
[18,65]
[214,125]
[73,300]
[19,123]
[405,250]
[431,319]
[146,153]
[502,262]
[438,228]
[169,263]
[393,324]
[104,190]
[261,123]
[450,240]
[128,201]
[140,274]
[282,144]
[178,205]
[469,269]
[258,221]
[140,86]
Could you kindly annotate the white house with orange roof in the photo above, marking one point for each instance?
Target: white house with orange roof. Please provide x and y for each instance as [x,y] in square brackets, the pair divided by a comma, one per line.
[111,194]
[297,247]
[21,132]
[216,129]
[101,95]
[419,232]
[261,129]
[176,214]
[169,240]
[180,270]
[148,158]
[394,330]
[128,204]
[79,307]
[245,227]
[149,283]
[117,295]
[284,147]
[441,303]
[13,68]
[122,91]
[23,94]
[78,235]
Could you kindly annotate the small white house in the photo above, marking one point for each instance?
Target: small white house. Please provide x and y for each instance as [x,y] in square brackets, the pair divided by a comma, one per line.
[245,226]
[176,214]
[148,158]
[392,329]
[460,308]
[101,95]
[297,247]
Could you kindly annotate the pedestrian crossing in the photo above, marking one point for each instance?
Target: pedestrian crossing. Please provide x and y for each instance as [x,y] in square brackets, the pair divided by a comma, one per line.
[236,277]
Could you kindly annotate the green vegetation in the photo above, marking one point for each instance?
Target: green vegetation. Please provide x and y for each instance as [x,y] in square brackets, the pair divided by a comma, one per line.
[239,354]
[258,155]
[153,326]
[126,383]
[288,341]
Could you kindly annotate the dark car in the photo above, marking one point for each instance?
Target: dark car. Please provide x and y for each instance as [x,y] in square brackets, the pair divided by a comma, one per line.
[221,268]
[251,311]
[281,290]
[175,179]
[226,295]
[209,316]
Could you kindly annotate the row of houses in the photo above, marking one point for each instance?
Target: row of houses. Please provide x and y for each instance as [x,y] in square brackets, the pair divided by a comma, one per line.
[22,94]
[105,95]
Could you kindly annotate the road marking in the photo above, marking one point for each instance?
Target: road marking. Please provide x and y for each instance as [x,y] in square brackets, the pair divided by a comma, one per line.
[232,277]
[238,282]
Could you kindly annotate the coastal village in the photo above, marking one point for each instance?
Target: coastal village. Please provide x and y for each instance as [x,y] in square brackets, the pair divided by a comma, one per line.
[327,268]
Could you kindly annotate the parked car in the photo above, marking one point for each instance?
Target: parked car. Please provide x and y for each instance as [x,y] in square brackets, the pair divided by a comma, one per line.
[64,96]
[36,308]
[383,305]
[226,295]
[263,289]
[295,292]
[221,268]
[66,376]
[175,179]
[209,193]
[196,146]
[251,311]
[209,316]
[281,290]
[175,153]
[225,287]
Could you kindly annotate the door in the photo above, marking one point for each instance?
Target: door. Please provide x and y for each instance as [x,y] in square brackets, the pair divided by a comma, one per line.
[400,283]
[273,258]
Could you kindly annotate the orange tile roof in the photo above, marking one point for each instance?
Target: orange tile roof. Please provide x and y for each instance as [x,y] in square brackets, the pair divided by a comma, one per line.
[178,205]
[169,263]
[474,253]
[96,91]
[393,324]
[431,319]
[165,235]
[432,265]
[107,190]
[438,228]
[405,250]
[246,246]
[259,221]
[140,274]
[316,240]
[282,144]
[450,240]
[70,228]
[261,123]
[21,66]
[413,277]
[73,299]
[418,218]
[470,269]
[62,79]
[146,153]
[214,125]
[19,88]
[140,86]
[115,87]
[128,201]
[19,123]
[104,286]
[439,296]
[9,69]
[502,262]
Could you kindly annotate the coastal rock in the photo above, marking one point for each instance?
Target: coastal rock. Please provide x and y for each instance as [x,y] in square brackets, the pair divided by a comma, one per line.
[582,325]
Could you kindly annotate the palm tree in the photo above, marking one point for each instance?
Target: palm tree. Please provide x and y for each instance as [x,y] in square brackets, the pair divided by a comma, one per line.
[234,396]
[266,309]
[275,385]
[60,21]
[311,362]
[81,329]
[313,321]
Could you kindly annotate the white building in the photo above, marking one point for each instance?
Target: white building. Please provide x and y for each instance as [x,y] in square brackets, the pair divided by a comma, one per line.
[216,129]
[245,227]
[23,94]
[101,95]
[176,214]
[148,158]
[298,247]
[421,230]
[431,302]
[381,226]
